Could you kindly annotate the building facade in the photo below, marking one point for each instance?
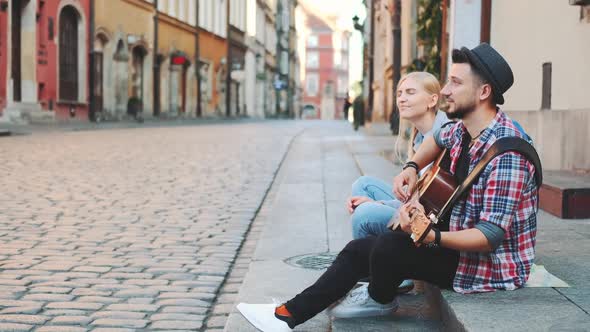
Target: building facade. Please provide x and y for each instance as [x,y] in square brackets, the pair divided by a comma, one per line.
[255,63]
[44,62]
[123,59]
[176,55]
[270,58]
[213,54]
[283,82]
[123,53]
[237,57]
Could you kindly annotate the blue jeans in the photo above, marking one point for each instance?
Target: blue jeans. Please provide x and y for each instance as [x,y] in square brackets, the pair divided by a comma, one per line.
[371,218]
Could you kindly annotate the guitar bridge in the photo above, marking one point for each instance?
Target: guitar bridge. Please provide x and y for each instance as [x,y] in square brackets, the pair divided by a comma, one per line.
[433,218]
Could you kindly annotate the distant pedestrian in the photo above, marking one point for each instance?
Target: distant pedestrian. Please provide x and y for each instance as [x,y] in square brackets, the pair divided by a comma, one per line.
[346,107]
[358,108]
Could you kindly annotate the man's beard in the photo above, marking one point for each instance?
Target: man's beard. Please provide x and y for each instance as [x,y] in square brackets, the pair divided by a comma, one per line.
[461,110]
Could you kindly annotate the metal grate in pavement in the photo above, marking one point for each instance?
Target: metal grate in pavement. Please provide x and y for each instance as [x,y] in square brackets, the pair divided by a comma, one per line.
[315,261]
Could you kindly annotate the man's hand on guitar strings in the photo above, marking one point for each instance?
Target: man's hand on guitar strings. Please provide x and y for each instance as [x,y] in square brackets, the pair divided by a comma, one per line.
[405,215]
[405,218]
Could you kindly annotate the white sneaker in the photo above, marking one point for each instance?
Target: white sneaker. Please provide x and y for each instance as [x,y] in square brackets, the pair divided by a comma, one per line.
[358,303]
[262,316]
[406,286]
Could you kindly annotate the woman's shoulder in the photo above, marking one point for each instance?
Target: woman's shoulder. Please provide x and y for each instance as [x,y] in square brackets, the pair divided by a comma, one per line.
[441,120]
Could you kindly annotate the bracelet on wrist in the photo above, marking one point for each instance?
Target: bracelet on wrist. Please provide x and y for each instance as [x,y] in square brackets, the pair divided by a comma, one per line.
[412,165]
[436,236]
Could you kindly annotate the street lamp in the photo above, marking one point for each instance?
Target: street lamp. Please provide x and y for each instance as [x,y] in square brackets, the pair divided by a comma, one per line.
[357,26]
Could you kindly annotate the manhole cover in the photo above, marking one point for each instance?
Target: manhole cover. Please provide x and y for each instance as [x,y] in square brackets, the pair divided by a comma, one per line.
[319,261]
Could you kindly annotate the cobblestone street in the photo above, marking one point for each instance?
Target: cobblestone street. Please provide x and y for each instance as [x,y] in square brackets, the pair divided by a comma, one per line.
[128,229]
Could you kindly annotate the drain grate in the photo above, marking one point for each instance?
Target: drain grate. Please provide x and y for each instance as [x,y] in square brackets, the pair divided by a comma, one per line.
[318,261]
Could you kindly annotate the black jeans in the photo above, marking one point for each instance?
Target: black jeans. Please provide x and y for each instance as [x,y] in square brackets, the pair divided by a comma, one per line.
[387,259]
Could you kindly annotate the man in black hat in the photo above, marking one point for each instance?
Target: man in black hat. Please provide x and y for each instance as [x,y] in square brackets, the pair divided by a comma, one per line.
[491,237]
[493,228]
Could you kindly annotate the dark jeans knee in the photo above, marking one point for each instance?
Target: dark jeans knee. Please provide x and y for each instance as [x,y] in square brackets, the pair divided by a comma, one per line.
[390,247]
[386,265]
[357,253]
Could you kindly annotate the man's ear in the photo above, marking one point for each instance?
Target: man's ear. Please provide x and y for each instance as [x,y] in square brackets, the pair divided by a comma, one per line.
[485,92]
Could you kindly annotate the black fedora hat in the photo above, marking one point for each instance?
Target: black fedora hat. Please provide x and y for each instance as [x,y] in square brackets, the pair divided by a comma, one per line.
[493,67]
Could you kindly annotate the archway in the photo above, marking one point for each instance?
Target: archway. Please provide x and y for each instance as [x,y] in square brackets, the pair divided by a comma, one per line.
[137,71]
[100,43]
[121,58]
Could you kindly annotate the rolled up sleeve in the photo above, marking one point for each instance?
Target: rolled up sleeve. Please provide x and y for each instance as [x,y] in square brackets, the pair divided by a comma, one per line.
[508,176]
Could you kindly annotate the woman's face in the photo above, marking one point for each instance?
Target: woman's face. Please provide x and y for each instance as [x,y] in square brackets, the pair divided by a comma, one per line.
[412,100]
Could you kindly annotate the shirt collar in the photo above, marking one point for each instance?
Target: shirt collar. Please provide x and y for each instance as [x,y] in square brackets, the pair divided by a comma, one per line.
[486,134]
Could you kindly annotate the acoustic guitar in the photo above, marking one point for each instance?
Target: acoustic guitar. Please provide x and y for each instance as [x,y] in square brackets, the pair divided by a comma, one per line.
[434,189]
[438,189]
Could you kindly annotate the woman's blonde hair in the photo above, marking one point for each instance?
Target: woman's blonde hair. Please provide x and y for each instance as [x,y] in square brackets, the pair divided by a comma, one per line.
[428,82]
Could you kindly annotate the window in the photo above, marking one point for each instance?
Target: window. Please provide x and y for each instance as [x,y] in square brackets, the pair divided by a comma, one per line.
[312,41]
[192,14]
[68,54]
[337,58]
[172,8]
[182,14]
[312,85]
[313,60]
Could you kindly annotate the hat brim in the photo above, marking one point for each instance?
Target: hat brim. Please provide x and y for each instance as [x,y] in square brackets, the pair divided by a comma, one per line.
[475,61]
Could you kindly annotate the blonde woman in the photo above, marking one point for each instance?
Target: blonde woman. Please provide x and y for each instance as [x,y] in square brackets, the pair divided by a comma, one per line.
[372,204]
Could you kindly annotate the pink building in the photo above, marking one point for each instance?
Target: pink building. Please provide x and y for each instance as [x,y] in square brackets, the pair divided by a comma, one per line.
[44,59]
[324,66]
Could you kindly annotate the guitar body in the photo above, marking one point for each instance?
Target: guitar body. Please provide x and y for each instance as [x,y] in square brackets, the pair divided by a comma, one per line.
[438,190]
[435,187]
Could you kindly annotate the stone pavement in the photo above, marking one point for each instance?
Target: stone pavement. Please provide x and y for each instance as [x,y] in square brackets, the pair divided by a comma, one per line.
[128,229]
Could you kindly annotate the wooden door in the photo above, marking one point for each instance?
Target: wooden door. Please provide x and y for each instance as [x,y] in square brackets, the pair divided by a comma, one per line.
[68,54]
[16,50]
[98,81]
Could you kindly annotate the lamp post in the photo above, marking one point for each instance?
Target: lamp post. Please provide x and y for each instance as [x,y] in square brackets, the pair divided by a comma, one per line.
[370,52]
[397,56]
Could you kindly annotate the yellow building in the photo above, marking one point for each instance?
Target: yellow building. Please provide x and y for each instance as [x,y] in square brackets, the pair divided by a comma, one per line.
[177,35]
[123,48]
[213,56]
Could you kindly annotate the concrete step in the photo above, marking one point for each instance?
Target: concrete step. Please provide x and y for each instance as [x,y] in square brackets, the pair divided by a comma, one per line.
[538,308]
[416,313]
[565,194]
[27,113]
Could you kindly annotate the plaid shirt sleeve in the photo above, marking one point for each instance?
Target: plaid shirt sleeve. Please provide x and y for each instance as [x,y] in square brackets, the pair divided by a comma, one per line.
[445,136]
[507,180]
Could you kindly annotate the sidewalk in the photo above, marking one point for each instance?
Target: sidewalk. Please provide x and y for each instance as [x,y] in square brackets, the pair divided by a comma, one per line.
[8,129]
[307,224]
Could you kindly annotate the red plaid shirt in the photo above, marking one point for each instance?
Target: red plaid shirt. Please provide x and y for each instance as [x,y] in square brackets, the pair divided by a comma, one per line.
[506,195]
